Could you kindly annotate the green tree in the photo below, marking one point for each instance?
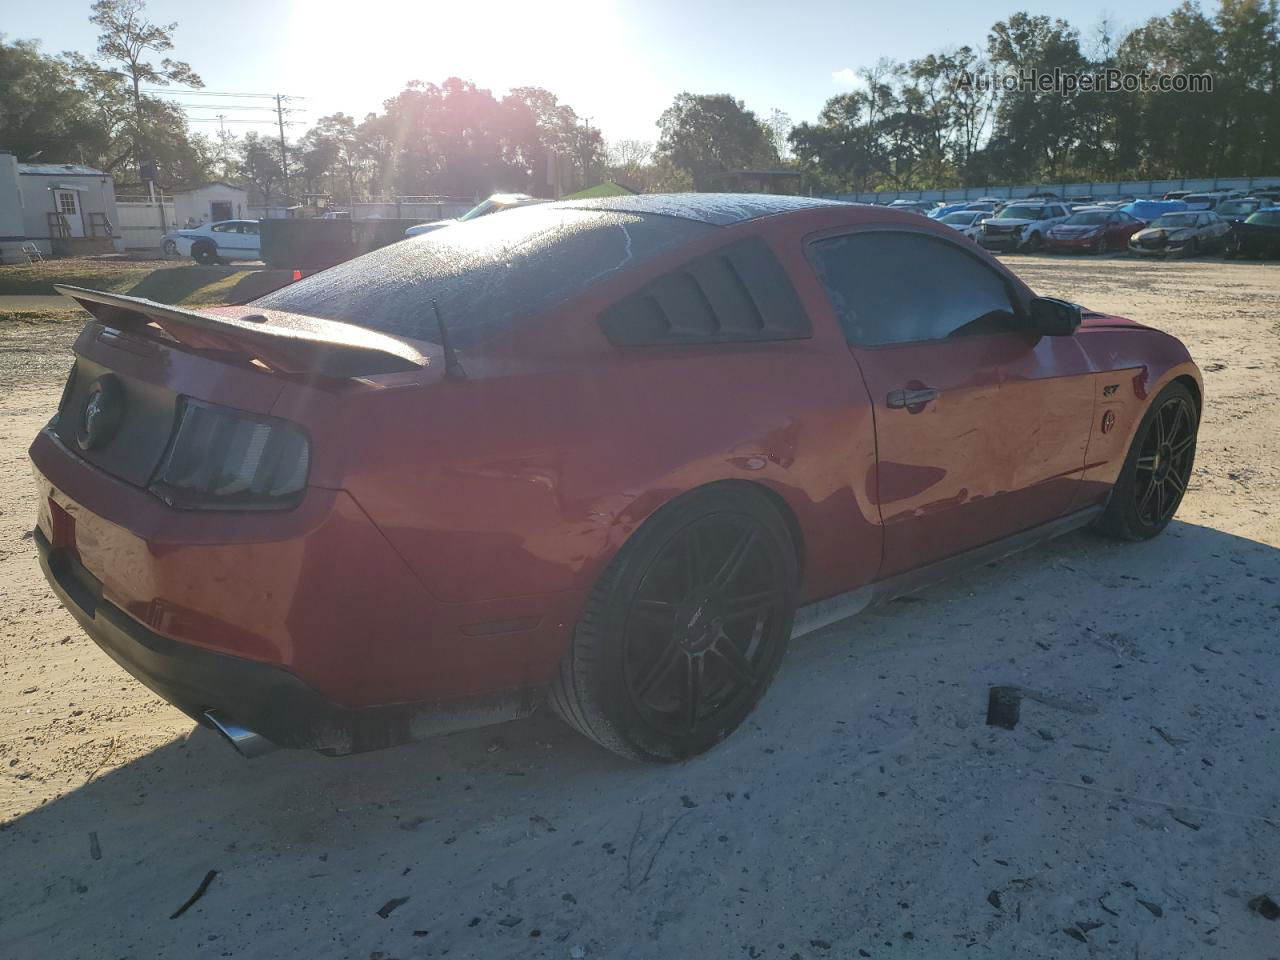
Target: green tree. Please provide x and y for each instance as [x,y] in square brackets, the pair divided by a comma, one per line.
[260,165]
[127,40]
[708,135]
[43,110]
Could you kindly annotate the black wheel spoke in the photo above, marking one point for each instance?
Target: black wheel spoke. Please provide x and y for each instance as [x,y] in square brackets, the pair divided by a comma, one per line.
[694,558]
[733,563]
[1147,463]
[736,662]
[691,692]
[659,613]
[662,666]
[1160,431]
[1183,445]
[1175,481]
[751,604]
[1146,497]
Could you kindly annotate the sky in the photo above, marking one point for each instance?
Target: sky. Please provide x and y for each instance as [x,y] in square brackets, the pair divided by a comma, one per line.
[617,62]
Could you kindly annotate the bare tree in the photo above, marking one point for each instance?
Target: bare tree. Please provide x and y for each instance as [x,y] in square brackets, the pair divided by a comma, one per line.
[629,154]
[780,127]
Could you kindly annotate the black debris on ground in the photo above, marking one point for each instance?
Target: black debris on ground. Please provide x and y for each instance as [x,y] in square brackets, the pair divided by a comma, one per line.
[1004,704]
[200,891]
[385,910]
[1265,907]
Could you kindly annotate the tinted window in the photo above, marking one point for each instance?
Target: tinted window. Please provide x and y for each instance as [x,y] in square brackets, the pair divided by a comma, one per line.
[487,274]
[874,281]
[225,228]
[738,293]
[1266,216]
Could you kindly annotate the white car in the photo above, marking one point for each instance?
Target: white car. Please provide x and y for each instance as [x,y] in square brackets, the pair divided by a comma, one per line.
[223,240]
[1023,225]
[967,222]
[499,201]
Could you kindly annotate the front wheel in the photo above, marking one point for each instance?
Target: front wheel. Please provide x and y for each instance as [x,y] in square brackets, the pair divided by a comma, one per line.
[1157,470]
[170,248]
[685,629]
[1035,243]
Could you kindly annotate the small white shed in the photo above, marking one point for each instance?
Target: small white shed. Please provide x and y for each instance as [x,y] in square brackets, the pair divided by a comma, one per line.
[66,209]
[210,202]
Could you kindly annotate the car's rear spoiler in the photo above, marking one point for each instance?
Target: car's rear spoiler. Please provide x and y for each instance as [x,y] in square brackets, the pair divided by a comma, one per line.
[285,342]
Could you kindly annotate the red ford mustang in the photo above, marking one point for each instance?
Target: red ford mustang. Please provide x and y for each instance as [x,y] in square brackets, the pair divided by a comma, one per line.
[617,452]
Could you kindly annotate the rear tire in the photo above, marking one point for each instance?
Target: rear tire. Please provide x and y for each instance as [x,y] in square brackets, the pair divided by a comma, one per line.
[1157,469]
[204,254]
[1035,243]
[684,631]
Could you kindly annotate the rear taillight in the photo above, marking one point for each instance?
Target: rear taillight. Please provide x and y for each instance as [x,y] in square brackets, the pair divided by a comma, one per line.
[224,459]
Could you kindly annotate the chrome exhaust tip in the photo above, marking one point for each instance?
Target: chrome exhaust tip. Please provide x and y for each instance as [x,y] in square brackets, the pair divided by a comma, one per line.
[246,742]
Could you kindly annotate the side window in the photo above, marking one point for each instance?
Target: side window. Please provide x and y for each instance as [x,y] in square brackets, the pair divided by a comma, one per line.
[250,228]
[900,287]
[738,293]
[223,228]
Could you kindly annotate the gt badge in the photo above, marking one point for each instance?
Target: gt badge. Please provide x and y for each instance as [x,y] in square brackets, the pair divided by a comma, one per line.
[1110,389]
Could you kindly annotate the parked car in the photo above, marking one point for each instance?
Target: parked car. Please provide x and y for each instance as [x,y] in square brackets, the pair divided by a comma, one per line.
[1235,211]
[1176,195]
[1190,233]
[495,204]
[220,241]
[1148,210]
[1258,236]
[937,213]
[417,491]
[1093,230]
[1209,200]
[922,207]
[968,223]
[1022,225]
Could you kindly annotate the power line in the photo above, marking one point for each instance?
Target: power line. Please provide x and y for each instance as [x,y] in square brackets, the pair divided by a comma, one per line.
[215,93]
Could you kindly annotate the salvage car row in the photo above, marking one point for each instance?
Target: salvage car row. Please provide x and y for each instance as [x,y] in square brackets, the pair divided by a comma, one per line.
[1188,225]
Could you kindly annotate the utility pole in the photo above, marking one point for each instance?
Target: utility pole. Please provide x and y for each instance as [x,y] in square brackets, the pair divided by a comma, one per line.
[284,156]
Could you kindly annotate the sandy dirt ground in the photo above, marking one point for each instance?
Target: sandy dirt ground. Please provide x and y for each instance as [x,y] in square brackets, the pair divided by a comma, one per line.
[865,810]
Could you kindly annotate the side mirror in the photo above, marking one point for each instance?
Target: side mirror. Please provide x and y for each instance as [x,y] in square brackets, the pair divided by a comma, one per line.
[1051,317]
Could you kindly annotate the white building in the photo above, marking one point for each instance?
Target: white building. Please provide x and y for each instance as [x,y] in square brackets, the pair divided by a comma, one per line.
[65,209]
[210,202]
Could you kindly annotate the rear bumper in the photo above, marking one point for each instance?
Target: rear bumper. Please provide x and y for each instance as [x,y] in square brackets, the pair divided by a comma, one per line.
[266,699]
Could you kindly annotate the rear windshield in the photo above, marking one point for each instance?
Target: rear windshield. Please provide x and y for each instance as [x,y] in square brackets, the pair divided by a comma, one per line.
[486,275]
[1019,213]
[1238,206]
[966,217]
[1266,216]
[1090,219]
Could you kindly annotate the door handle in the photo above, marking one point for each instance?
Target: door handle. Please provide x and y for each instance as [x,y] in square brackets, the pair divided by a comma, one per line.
[916,397]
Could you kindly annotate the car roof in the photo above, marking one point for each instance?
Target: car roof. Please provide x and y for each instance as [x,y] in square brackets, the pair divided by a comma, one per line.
[719,209]
[1094,208]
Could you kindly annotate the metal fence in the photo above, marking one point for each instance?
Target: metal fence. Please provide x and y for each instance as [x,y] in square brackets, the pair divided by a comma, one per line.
[1093,188]
[412,208]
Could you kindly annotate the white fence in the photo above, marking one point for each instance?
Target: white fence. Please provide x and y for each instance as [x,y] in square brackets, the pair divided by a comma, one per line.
[1091,189]
[140,221]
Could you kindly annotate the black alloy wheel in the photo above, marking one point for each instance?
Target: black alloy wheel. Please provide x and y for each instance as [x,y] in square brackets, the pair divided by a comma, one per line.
[697,638]
[1157,470]
[1164,463]
[684,631]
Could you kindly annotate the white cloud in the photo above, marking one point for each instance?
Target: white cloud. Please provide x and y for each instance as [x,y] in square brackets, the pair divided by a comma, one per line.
[845,76]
